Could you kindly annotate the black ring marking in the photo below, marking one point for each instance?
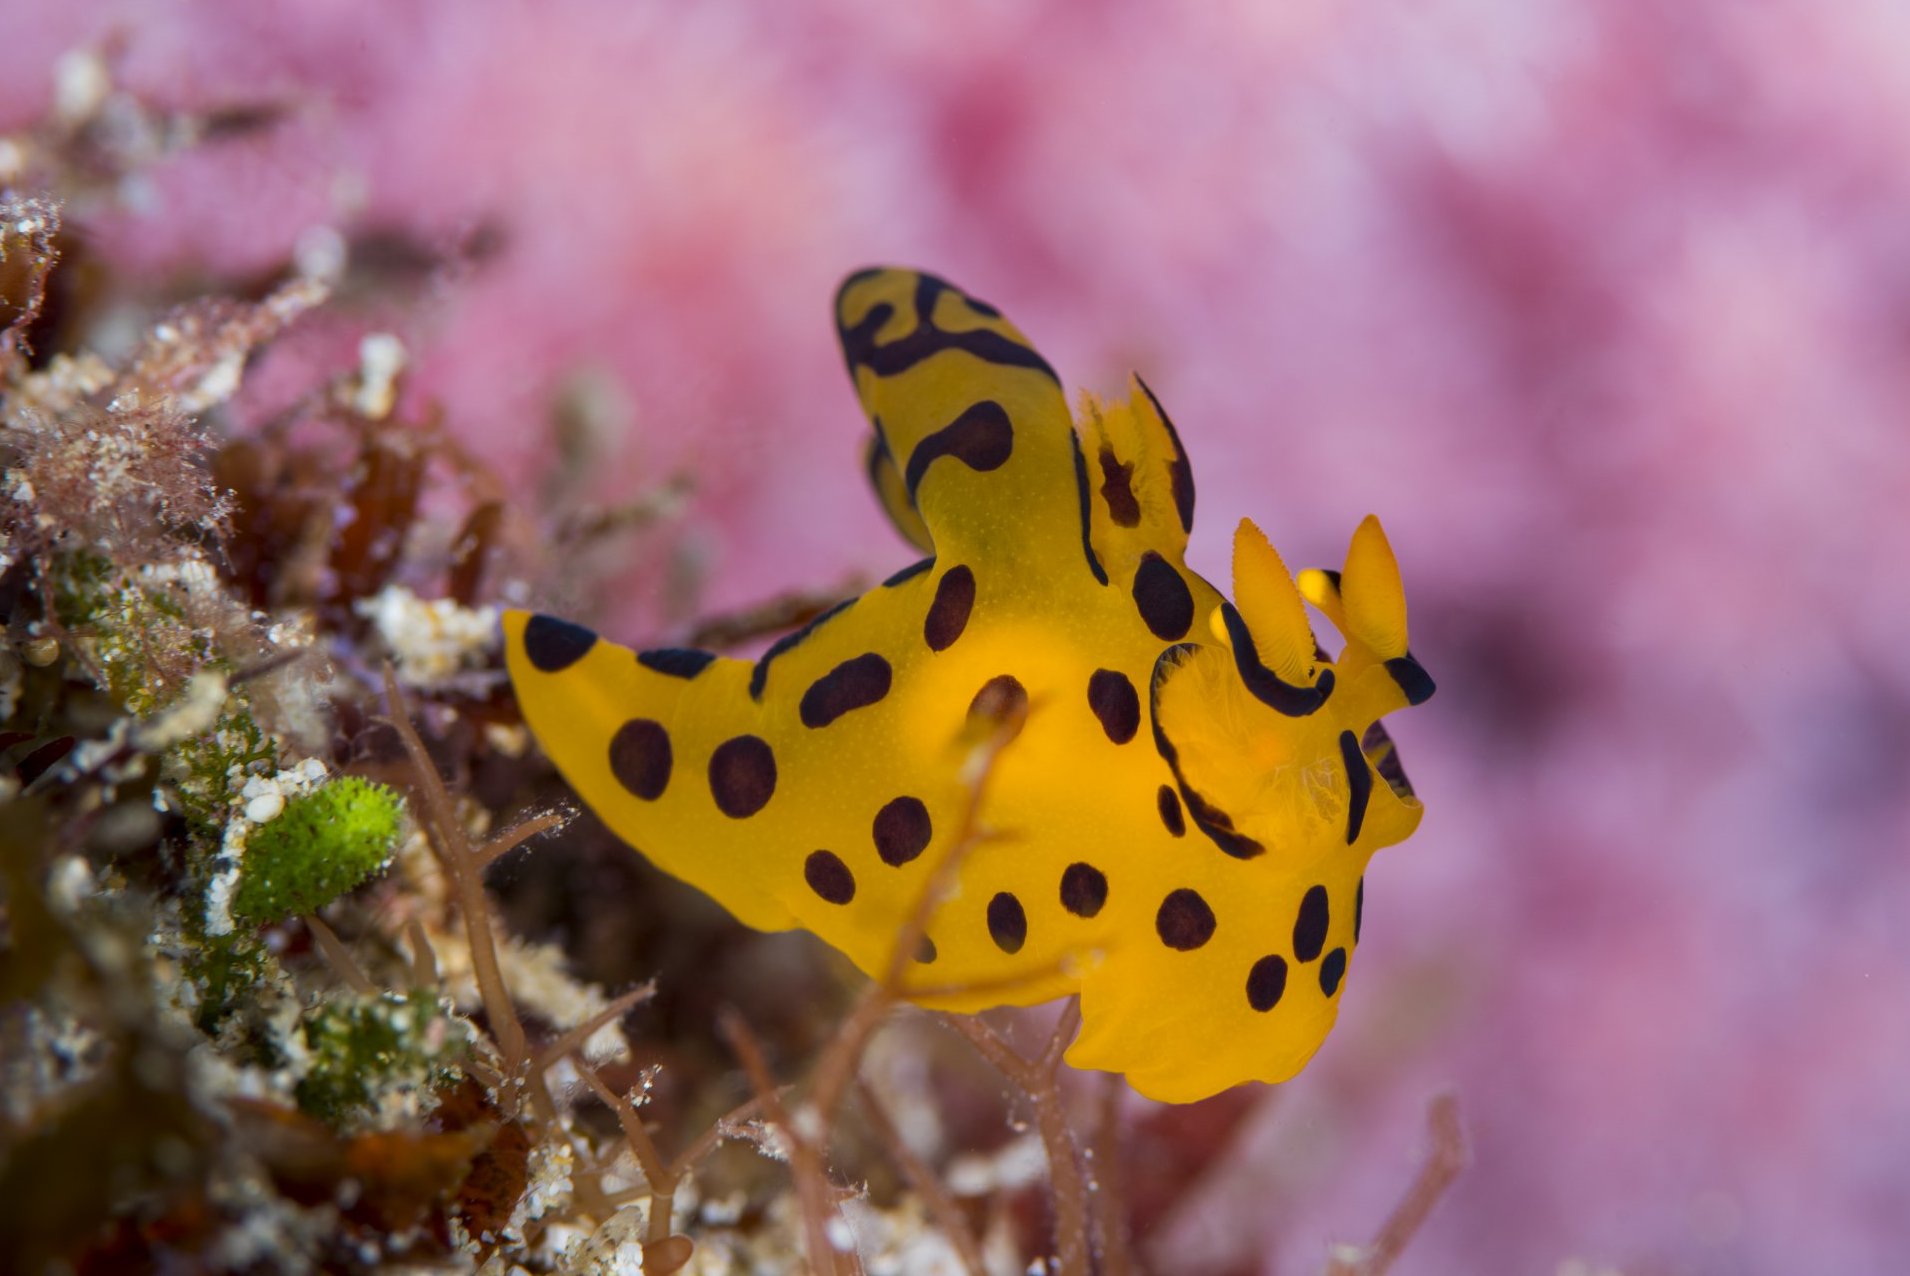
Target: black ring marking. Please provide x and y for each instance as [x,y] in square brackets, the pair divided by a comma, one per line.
[676,662]
[1180,473]
[1184,921]
[982,438]
[829,877]
[1084,889]
[1266,982]
[1007,923]
[948,614]
[1099,572]
[1117,489]
[1208,818]
[553,645]
[853,684]
[1359,784]
[1265,685]
[1115,702]
[1309,926]
[742,776]
[1332,970]
[1162,596]
[902,830]
[640,758]
[759,676]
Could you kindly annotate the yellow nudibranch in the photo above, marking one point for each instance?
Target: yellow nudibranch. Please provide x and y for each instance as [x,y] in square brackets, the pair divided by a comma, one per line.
[1190,805]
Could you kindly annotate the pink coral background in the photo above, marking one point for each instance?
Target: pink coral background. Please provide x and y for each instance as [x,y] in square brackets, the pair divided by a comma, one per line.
[1604,307]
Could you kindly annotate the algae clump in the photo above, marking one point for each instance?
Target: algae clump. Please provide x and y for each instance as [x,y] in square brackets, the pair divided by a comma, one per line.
[321,845]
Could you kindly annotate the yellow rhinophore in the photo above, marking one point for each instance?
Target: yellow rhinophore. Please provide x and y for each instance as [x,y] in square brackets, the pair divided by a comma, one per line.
[1192,800]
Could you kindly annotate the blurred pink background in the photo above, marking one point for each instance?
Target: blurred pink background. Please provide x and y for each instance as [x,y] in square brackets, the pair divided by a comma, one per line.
[1605,308]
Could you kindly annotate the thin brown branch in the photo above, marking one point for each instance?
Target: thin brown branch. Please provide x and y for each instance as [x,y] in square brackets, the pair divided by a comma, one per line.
[724,1127]
[805,1162]
[574,1038]
[658,1177]
[1013,991]
[339,957]
[935,1195]
[1073,1210]
[453,846]
[516,835]
[1444,1161]
[775,615]
[424,959]
[1111,1244]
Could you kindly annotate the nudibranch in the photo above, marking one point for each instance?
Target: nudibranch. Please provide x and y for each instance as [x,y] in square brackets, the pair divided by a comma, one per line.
[1196,790]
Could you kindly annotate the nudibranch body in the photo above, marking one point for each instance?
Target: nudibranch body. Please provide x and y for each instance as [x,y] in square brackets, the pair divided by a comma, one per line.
[1196,790]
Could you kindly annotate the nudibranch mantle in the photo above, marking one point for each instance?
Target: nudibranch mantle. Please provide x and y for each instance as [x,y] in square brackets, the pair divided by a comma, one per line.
[1196,790]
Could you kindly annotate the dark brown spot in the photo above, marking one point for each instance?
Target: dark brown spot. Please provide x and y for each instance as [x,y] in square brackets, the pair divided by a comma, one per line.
[1117,489]
[829,877]
[1007,923]
[742,776]
[1084,889]
[902,830]
[1169,802]
[1165,602]
[1001,699]
[982,438]
[1332,970]
[676,662]
[948,614]
[1266,982]
[553,645]
[1309,927]
[1359,784]
[1184,921]
[1115,703]
[853,684]
[925,951]
[640,758]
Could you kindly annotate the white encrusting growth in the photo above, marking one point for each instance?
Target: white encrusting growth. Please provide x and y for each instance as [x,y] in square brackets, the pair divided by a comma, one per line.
[431,639]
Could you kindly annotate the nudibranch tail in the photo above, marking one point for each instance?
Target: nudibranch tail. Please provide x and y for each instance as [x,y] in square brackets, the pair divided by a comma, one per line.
[969,419]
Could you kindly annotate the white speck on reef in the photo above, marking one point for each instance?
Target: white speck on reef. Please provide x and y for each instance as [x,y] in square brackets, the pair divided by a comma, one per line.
[433,640]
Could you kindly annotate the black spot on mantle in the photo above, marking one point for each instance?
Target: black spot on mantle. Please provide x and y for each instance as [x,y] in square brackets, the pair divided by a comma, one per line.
[676,662]
[982,438]
[554,645]
[854,684]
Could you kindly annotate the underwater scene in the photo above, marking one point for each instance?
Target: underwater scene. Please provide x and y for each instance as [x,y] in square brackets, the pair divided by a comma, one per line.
[966,640]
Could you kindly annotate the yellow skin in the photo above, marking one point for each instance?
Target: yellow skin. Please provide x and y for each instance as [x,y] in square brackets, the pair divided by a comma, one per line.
[1189,809]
